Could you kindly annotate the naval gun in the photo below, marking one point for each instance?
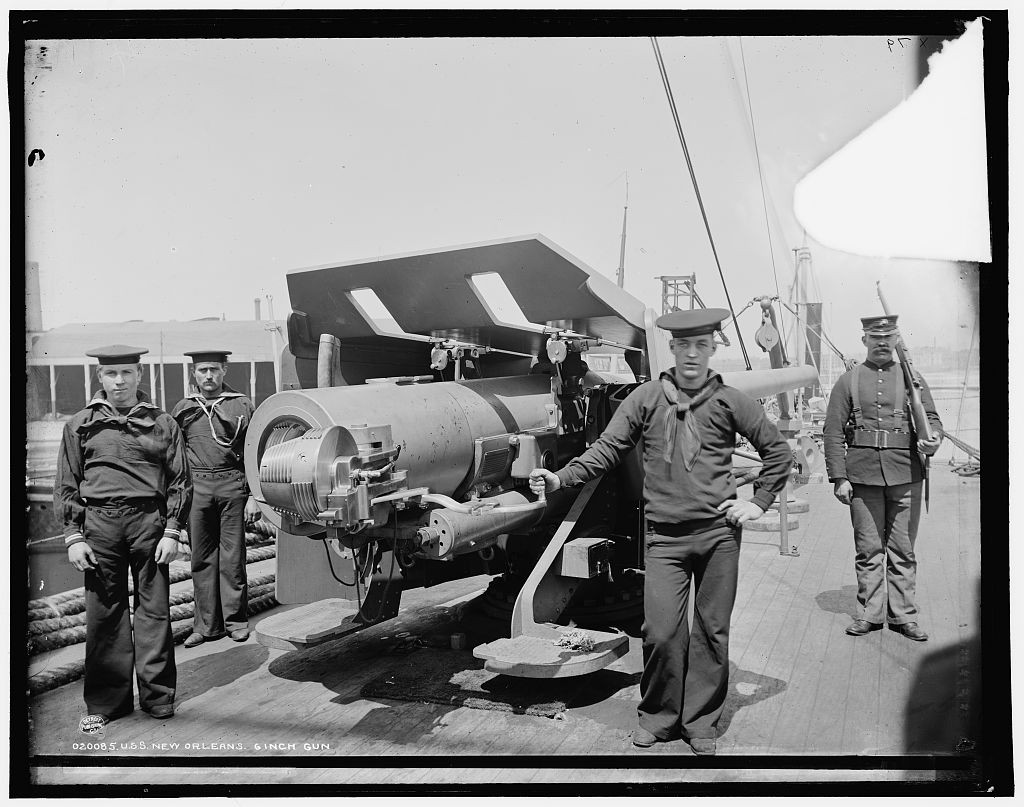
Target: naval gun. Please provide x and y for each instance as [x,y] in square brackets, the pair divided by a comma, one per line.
[399,452]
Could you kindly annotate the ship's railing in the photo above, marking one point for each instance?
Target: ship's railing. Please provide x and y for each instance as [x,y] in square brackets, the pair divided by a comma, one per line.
[62,386]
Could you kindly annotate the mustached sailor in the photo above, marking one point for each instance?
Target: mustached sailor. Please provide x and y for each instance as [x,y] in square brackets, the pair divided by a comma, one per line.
[214,419]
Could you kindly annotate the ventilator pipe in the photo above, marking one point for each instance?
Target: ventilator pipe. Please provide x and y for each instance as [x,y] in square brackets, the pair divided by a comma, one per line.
[328,360]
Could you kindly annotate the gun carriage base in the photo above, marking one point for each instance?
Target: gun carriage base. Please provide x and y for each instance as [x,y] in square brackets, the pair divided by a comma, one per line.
[382,485]
[380,529]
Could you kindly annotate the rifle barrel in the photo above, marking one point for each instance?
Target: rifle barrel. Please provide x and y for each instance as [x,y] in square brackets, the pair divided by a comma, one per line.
[918,416]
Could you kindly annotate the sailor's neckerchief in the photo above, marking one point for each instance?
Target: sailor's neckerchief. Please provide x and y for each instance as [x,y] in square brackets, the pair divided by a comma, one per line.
[141,416]
[225,393]
[691,437]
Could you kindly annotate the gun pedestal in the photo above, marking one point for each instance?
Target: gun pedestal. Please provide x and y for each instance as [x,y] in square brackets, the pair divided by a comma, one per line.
[539,648]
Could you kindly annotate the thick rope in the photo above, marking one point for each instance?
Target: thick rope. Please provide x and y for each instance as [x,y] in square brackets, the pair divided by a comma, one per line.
[58,604]
[46,680]
[71,630]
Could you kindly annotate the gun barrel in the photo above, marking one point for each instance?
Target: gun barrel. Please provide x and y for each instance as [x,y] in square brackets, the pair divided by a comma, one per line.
[340,455]
[761,383]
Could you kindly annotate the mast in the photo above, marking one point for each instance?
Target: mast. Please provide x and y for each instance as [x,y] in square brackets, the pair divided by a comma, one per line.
[621,275]
[810,326]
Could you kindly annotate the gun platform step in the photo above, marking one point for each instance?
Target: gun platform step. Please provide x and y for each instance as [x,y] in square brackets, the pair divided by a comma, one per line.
[539,657]
[309,625]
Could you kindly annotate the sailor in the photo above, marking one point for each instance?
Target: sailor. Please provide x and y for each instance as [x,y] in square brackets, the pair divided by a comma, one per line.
[214,419]
[686,422]
[123,491]
[873,457]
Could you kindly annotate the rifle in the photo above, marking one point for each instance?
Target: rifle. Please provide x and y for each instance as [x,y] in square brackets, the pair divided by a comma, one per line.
[918,417]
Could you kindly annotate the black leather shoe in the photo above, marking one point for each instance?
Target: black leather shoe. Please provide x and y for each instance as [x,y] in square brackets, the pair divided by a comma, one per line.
[911,631]
[161,711]
[861,627]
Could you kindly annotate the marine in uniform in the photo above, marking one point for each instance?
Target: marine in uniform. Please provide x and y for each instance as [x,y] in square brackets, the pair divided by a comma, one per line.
[873,457]
[123,491]
[687,421]
[214,420]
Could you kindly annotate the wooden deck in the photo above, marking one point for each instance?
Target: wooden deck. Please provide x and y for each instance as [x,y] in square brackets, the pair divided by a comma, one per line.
[798,686]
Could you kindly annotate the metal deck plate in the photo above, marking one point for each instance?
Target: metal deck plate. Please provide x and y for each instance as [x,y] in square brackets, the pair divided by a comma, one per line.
[540,657]
[308,625]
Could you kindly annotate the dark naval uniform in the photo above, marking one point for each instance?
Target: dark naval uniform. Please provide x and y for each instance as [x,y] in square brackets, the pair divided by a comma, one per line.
[686,672]
[122,484]
[870,442]
[215,437]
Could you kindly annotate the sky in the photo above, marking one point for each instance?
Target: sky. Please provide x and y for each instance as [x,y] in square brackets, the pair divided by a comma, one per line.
[183,178]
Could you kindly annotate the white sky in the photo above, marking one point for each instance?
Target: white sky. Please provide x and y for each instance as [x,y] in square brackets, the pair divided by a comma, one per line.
[184,178]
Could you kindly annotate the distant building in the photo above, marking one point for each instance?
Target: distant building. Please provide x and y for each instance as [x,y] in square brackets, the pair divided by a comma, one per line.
[61,379]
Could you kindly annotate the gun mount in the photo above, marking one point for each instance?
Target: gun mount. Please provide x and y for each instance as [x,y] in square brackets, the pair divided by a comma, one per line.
[316,468]
[378,484]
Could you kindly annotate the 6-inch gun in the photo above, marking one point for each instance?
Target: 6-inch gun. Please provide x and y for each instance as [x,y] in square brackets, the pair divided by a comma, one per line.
[400,454]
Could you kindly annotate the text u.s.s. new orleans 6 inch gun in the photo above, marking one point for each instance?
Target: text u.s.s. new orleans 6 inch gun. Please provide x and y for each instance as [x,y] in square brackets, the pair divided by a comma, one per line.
[399,456]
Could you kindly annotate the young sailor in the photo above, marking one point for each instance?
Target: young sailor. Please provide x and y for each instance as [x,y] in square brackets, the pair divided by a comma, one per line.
[687,421]
[214,420]
[123,491]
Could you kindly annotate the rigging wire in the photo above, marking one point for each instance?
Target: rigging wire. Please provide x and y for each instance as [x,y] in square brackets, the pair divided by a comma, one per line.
[760,173]
[696,188]
[823,335]
[967,370]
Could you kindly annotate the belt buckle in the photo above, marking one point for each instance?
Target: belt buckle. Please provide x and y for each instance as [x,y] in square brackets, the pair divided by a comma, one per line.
[885,439]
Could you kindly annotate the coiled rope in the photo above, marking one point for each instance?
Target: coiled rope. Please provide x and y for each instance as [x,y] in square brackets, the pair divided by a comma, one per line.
[59,620]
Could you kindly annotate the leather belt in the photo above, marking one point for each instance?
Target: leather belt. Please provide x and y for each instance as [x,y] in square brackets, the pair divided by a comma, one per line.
[210,473]
[871,438]
[692,527]
[144,503]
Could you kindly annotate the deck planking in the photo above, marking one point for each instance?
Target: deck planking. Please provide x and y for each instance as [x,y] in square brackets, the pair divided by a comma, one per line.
[860,719]
[769,652]
[796,651]
[795,709]
[837,595]
[788,640]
